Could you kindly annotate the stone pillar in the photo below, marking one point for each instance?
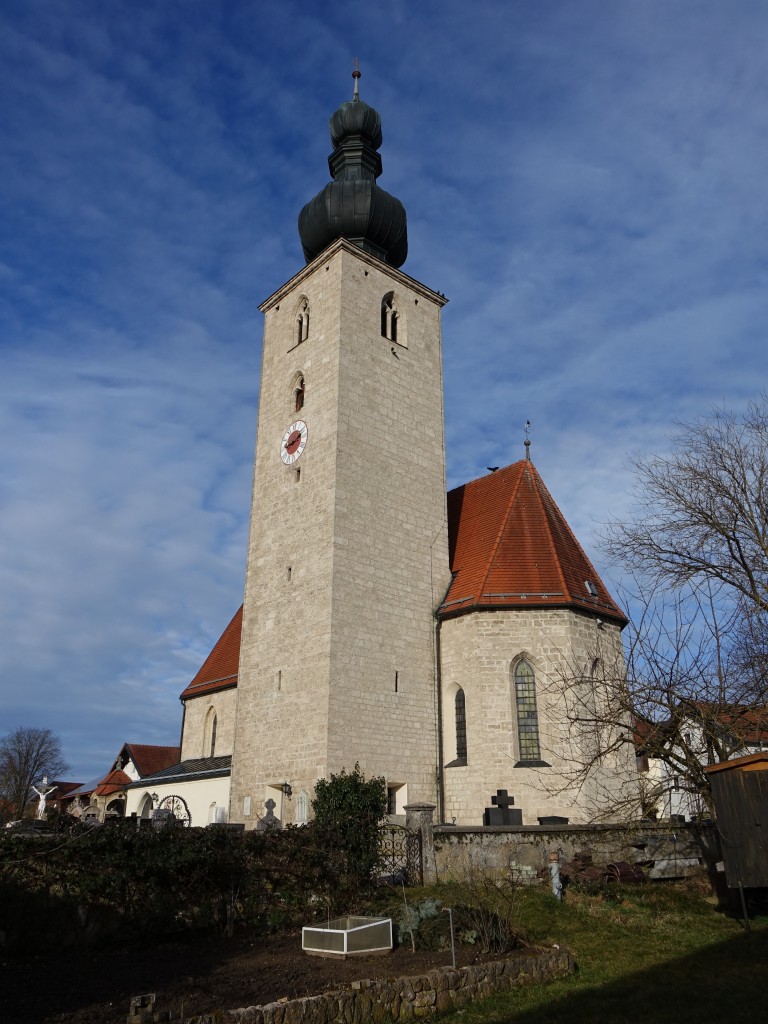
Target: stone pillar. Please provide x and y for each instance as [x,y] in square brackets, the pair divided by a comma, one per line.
[418,817]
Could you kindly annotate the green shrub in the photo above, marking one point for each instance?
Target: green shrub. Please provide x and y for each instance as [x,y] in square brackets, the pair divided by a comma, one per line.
[348,809]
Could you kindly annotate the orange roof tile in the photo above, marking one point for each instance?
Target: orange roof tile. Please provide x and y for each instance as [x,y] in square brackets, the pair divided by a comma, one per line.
[510,547]
[113,782]
[219,670]
[149,758]
[746,723]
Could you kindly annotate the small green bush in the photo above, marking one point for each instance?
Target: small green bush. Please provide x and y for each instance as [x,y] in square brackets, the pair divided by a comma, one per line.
[348,809]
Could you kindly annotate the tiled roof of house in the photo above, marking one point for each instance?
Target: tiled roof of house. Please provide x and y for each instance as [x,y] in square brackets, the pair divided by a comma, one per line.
[746,723]
[219,670]
[63,789]
[188,771]
[114,782]
[510,547]
[148,758]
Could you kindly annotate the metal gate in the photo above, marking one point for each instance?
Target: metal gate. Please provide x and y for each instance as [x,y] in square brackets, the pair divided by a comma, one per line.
[400,855]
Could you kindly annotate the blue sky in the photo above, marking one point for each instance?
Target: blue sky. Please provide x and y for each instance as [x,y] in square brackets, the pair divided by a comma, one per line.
[584,181]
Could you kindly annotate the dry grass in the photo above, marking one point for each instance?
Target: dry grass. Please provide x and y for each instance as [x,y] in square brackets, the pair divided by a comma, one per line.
[660,952]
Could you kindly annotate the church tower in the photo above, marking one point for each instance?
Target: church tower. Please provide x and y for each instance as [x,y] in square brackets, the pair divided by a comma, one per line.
[348,552]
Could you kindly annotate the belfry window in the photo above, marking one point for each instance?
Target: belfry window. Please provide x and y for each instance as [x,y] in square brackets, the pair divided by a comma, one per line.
[302,322]
[389,317]
[527,714]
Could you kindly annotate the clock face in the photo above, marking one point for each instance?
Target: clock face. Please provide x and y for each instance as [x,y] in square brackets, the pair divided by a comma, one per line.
[294,442]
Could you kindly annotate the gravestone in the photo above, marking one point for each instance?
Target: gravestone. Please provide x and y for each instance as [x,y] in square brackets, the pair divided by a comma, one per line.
[163,817]
[270,820]
[503,813]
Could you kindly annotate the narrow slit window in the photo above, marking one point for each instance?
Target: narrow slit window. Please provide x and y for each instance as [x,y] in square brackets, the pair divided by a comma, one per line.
[298,403]
[461,725]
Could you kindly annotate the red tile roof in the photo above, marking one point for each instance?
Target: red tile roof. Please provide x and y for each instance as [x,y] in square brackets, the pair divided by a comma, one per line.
[114,782]
[63,789]
[746,723]
[148,758]
[510,547]
[219,671]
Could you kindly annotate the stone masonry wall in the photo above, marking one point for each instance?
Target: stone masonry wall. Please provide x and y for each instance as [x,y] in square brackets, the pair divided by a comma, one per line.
[195,714]
[374,1002]
[348,551]
[526,850]
[478,653]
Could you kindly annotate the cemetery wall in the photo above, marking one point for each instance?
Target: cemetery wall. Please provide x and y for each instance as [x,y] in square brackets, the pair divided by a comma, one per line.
[374,1002]
[526,849]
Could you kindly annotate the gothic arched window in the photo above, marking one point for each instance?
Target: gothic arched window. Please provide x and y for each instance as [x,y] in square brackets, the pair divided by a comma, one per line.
[527,714]
[389,317]
[302,808]
[302,321]
[298,395]
[209,738]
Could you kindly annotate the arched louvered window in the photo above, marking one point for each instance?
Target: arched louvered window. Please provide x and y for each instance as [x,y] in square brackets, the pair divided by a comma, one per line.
[527,714]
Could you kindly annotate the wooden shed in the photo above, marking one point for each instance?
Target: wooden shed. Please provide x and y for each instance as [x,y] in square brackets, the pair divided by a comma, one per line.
[740,792]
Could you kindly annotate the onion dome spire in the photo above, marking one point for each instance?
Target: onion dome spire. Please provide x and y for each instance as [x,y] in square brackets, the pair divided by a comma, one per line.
[353,206]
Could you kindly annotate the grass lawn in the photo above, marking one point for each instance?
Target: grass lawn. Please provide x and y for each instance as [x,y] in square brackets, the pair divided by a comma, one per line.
[654,953]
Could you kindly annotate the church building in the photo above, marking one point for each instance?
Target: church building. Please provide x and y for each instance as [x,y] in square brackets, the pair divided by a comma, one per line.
[427,637]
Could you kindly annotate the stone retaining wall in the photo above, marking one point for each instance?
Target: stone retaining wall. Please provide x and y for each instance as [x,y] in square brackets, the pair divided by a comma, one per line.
[525,849]
[399,999]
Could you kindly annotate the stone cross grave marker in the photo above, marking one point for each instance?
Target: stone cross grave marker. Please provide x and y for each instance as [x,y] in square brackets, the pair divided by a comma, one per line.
[502,813]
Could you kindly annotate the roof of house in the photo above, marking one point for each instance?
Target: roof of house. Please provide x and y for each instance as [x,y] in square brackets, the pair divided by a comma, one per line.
[510,547]
[746,723]
[113,782]
[147,758]
[189,771]
[63,790]
[219,670]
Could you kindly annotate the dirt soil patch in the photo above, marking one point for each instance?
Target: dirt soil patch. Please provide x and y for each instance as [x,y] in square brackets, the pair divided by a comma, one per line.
[193,974]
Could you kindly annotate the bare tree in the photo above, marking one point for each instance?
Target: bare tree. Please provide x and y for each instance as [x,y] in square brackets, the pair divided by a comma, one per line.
[26,755]
[702,511]
[695,689]
[686,697]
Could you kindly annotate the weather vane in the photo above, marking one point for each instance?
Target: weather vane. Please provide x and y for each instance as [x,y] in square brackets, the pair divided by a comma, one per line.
[527,441]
